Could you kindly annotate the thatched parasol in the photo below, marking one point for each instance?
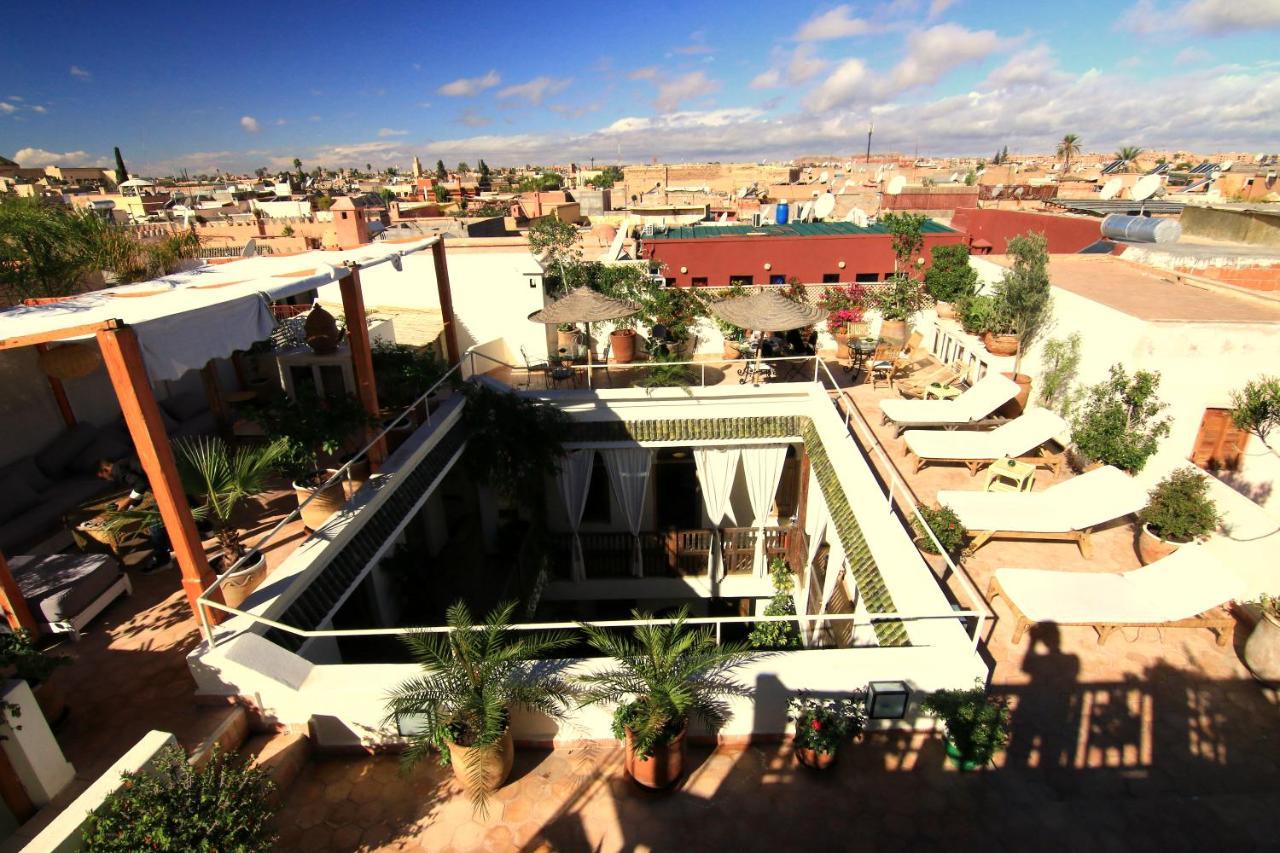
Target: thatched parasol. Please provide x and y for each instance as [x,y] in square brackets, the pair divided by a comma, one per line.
[584,305]
[766,310]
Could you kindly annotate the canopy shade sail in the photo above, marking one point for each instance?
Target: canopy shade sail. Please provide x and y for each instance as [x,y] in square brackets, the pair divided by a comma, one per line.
[767,310]
[185,319]
[584,305]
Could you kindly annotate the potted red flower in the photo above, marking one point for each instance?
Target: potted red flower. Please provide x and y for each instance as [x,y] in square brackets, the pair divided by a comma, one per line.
[822,725]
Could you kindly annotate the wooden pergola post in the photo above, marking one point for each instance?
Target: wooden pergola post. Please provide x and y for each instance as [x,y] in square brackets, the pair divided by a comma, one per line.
[59,393]
[123,359]
[13,602]
[362,358]
[445,292]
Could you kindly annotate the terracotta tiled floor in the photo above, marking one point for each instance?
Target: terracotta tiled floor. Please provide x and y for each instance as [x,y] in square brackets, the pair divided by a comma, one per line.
[1162,743]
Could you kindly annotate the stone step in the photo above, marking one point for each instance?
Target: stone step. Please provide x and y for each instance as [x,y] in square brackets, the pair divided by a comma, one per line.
[281,754]
[227,737]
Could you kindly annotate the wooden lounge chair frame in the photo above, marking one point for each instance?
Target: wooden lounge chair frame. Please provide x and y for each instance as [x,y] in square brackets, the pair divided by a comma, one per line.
[985,423]
[1042,458]
[1217,620]
[1080,537]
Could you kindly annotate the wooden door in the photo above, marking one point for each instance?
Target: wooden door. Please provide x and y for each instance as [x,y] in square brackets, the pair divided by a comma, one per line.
[1220,443]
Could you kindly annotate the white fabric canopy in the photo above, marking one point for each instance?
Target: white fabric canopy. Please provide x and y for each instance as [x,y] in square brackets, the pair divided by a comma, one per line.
[717,468]
[629,476]
[574,482]
[763,469]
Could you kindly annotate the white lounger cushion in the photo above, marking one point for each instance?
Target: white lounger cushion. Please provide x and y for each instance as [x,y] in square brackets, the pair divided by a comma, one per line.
[988,394]
[1018,437]
[1078,504]
[1183,585]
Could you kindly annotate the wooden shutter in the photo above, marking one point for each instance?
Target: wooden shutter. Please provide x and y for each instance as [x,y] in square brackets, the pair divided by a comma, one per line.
[1220,443]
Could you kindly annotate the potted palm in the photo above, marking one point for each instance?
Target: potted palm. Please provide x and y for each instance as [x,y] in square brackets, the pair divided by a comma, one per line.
[977,726]
[822,725]
[1262,649]
[472,677]
[663,674]
[1178,511]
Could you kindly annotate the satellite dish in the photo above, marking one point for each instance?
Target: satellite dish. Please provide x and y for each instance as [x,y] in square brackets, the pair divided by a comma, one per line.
[824,177]
[955,176]
[896,183]
[857,216]
[996,190]
[1110,189]
[806,211]
[1226,165]
[1145,187]
[1017,192]
[742,192]
[848,166]
[847,184]
[824,206]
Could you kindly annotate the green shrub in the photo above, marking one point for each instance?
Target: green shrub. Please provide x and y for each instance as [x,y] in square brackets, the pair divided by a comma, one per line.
[945,525]
[976,313]
[777,635]
[1256,406]
[823,724]
[1180,508]
[977,726]
[220,807]
[1060,360]
[1118,421]
[950,278]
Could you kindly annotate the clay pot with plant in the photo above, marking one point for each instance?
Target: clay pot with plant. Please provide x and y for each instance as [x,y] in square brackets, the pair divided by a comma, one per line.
[824,725]
[1262,649]
[664,675]
[622,341]
[21,659]
[845,319]
[1179,510]
[950,279]
[976,725]
[898,300]
[402,374]
[1023,307]
[472,677]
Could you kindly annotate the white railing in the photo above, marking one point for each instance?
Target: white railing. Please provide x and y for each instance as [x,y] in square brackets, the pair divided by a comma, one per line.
[905,499]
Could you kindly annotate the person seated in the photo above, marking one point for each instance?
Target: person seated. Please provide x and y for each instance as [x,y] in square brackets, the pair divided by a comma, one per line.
[127,475]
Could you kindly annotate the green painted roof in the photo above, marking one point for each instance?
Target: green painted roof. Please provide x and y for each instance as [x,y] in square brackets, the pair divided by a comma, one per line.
[791,229]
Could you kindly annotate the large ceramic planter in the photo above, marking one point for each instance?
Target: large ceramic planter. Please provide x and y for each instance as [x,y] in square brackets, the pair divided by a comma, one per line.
[622,345]
[52,700]
[842,346]
[357,473]
[1000,344]
[567,340]
[327,502]
[495,766]
[1152,548]
[894,331]
[815,759]
[322,332]
[1018,404]
[661,769]
[958,760]
[946,311]
[237,587]
[1262,649]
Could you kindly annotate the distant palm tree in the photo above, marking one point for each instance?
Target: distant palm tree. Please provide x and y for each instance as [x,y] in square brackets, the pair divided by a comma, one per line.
[1128,153]
[1068,148]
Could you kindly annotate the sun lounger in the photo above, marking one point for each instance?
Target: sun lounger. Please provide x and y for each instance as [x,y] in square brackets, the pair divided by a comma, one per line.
[913,387]
[1184,590]
[975,405]
[1022,438]
[1069,510]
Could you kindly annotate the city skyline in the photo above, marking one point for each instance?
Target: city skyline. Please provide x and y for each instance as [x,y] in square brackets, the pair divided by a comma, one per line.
[945,78]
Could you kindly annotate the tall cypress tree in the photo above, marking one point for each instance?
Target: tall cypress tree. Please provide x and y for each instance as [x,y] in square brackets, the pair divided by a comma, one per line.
[122,174]
[442,174]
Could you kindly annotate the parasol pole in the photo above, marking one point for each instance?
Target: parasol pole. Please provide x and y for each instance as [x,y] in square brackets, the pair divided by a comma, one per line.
[588,324]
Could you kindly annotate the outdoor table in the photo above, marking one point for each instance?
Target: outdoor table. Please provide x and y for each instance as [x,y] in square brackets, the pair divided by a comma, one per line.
[859,349]
[1009,475]
[939,391]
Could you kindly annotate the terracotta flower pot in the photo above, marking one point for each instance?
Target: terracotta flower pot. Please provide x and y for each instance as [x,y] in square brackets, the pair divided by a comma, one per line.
[946,311]
[329,501]
[894,331]
[1018,404]
[1262,649]
[815,759]
[495,766]
[661,769]
[842,346]
[622,345]
[236,588]
[1000,344]
[1151,547]
[567,340]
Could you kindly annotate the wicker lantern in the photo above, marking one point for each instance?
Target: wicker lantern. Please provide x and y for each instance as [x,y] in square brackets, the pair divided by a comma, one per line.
[69,361]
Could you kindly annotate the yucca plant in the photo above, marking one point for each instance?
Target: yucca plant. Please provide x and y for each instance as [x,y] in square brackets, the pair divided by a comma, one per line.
[472,676]
[666,673]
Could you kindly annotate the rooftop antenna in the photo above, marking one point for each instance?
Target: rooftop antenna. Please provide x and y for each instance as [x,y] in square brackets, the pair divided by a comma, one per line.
[870,128]
[1110,189]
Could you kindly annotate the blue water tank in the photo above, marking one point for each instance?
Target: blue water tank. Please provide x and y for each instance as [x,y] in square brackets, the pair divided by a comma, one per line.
[781,212]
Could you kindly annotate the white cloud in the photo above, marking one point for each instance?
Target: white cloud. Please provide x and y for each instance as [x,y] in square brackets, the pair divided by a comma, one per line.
[468,86]
[7,109]
[471,118]
[805,64]
[384,132]
[842,87]
[79,73]
[686,87]
[1210,17]
[835,23]
[536,89]
[937,7]
[697,45]
[280,122]
[770,79]
[1191,56]
[933,52]
[648,72]
[38,158]
[1035,66]
[250,124]
[39,109]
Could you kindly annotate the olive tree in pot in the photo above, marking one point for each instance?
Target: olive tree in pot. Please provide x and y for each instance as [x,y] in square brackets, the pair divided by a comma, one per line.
[902,296]
[977,725]
[1118,421]
[662,674]
[472,677]
[950,279]
[1178,511]
[1262,649]
[1023,304]
[823,725]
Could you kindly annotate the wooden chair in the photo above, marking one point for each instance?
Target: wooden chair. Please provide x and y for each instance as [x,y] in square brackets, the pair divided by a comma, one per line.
[882,365]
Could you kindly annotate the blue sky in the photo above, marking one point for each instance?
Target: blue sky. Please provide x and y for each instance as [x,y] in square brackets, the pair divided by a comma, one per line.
[237,85]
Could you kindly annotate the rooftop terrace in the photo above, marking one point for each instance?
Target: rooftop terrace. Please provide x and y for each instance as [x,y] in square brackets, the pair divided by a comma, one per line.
[792,229]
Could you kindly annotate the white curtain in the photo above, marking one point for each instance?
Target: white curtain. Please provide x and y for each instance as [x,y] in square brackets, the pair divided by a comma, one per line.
[574,482]
[717,469]
[629,470]
[763,469]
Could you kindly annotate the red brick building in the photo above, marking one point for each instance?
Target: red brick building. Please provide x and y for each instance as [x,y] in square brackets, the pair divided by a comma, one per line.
[811,252]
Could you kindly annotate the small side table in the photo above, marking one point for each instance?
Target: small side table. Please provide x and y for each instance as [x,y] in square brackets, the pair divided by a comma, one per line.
[1009,475]
[938,391]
